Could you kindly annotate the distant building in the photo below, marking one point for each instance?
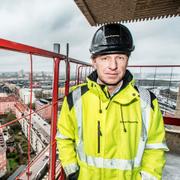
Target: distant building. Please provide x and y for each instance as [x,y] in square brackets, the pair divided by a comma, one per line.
[11,86]
[37,141]
[62,91]
[3,94]
[47,93]
[25,94]
[7,103]
[20,109]
[45,107]
[3,161]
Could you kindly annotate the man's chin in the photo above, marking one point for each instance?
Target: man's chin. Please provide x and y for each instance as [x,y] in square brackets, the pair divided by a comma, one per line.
[109,83]
[112,84]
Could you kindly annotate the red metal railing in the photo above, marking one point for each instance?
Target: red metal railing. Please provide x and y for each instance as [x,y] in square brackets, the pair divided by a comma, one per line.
[8,45]
[80,73]
[54,119]
[29,128]
[17,47]
[161,78]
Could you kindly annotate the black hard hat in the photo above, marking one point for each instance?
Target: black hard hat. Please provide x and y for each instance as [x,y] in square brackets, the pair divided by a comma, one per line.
[112,38]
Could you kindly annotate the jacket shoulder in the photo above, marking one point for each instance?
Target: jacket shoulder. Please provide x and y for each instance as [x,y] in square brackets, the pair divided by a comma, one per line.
[153,97]
[76,86]
[151,94]
[76,93]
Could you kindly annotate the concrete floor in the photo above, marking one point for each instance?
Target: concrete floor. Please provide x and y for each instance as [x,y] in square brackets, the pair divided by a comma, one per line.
[172,167]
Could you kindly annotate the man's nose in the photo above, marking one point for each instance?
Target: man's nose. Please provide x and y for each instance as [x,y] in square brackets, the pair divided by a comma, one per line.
[113,64]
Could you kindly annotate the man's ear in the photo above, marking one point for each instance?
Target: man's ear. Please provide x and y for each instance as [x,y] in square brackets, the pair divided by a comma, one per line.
[93,60]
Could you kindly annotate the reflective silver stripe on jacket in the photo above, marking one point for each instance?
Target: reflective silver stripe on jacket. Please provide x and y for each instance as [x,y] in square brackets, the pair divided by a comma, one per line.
[76,95]
[71,168]
[100,162]
[60,136]
[145,108]
[147,176]
[157,146]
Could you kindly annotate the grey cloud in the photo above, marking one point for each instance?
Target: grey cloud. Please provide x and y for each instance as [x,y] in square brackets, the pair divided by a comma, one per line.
[41,23]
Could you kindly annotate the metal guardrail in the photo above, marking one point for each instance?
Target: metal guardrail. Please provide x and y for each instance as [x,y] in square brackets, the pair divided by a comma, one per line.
[57,58]
[164,82]
[80,73]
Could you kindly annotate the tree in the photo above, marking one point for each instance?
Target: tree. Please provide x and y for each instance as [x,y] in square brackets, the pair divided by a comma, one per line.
[33,106]
[10,116]
[16,125]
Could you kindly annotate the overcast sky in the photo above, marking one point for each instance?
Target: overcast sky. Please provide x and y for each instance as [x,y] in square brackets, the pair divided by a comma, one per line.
[41,23]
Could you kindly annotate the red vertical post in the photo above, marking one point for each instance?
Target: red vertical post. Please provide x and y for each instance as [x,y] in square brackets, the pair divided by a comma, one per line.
[140,79]
[29,122]
[67,71]
[78,75]
[52,168]
[81,73]
[67,78]
[169,93]
[154,80]
[85,73]
[54,120]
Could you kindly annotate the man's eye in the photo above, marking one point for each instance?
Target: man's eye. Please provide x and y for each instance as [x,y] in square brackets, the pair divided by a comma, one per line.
[104,58]
[120,58]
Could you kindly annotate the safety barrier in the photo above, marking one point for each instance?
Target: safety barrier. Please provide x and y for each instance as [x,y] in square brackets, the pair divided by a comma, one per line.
[74,72]
[164,82]
[57,58]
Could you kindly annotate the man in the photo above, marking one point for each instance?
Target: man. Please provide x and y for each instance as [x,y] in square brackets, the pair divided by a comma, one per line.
[109,129]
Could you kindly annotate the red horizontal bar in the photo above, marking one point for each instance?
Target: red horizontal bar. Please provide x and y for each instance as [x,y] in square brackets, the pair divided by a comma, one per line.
[13,46]
[153,66]
[79,62]
[172,121]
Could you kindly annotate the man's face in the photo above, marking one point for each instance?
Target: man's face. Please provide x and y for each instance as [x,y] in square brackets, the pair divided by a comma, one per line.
[110,68]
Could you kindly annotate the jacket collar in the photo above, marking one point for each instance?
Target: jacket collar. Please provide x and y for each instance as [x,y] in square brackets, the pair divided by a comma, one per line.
[125,95]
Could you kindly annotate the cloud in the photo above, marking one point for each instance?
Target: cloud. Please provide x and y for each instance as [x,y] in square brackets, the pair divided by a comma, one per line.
[157,42]
[41,23]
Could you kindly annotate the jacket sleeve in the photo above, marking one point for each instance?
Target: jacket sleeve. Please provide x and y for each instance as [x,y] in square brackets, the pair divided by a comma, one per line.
[153,159]
[66,140]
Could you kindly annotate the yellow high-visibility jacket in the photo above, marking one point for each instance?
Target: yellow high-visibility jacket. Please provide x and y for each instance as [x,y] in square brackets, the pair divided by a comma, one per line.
[111,138]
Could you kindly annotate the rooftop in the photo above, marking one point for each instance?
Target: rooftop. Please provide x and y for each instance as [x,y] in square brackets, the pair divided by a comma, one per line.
[10,98]
[105,11]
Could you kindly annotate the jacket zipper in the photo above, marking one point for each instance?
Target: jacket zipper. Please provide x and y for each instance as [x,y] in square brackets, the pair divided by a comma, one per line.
[99,136]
